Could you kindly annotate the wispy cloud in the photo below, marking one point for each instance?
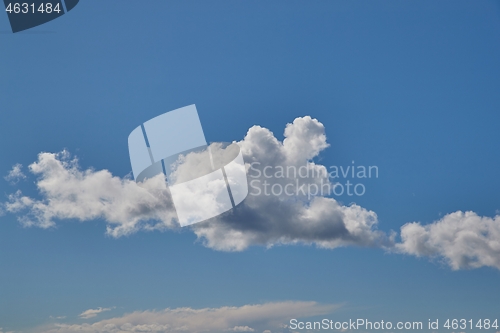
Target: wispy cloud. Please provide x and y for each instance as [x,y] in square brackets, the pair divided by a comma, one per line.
[241,329]
[91,313]
[2,331]
[248,318]
[15,174]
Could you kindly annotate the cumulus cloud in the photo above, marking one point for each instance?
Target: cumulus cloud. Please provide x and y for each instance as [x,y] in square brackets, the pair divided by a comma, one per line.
[307,216]
[91,313]
[463,240]
[68,192]
[15,174]
[247,318]
[269,217]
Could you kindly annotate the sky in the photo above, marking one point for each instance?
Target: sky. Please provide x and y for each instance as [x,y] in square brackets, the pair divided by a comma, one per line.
[408,87]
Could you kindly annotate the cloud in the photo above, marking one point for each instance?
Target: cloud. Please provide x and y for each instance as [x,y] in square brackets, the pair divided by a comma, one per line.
[15,174]
[247,318]
[241,329]
[91,313]
[463,240]
[279,218]
[68,192]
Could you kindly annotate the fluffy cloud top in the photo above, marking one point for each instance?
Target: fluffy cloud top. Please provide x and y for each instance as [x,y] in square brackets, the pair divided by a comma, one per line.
[247,318]
[282,219]
[462,240]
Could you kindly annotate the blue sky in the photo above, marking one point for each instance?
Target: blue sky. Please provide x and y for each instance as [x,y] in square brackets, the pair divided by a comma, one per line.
[411,87]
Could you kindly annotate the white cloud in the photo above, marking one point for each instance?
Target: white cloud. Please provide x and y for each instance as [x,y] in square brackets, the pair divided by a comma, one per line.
[241,329]
[68,192]
[15,174]
[282,219]
[461,240]
[91,313]
[247,318]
